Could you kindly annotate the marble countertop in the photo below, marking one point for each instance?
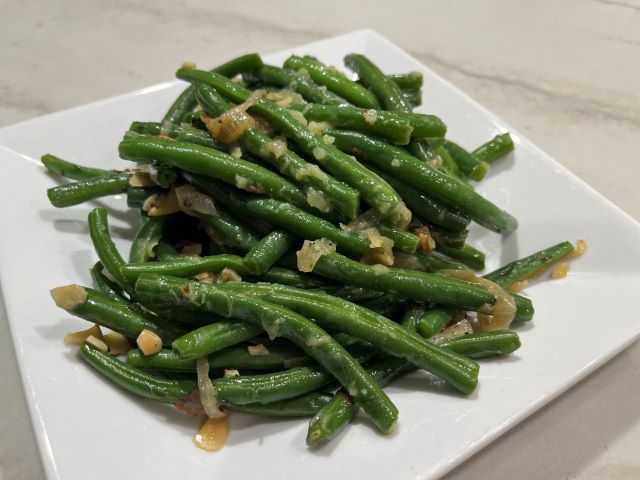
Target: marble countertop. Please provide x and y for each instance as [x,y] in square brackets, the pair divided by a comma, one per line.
[565,74]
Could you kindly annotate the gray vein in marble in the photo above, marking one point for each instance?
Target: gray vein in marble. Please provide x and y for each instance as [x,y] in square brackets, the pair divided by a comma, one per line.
[627,112]
[616,3]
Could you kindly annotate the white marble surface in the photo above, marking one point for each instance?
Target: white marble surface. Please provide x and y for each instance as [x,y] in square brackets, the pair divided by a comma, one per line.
[566,74]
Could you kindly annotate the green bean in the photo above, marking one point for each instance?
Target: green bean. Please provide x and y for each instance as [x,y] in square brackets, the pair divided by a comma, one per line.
[447,237]
[104,246]
[530,266]
[494,149]
[104,284]
[468,255]
[413,97]
[423,262]
[279,321]
[134,380]
[336,414]
[334,80]
[213,338]
[384,88]
[71,170]
[481,345]
[236,357]
[242,390]
[283,77]
[292,278]
[186,101]
[235,233]
[524,308]
[285,215]
[97,307]
[419,286]
[337,314]
[407,81]
[212,163]
[467,162]
[302,406]
[344,198]
[387,305]
[410,317]
[397,163]
[268,250]
[147,238]
[402,240]
[449,166]
[398,127]
[84,190]
[136,196]
[433,321]
[427,208]
[339,412]
[177,132]
[165,252]
[394,128]
[344,167]
[184,267]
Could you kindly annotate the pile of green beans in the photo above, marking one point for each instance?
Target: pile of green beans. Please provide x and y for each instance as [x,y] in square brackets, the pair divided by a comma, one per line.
[288,222]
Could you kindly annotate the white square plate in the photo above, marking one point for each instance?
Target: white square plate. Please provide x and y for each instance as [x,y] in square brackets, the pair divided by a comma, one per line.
[86,428]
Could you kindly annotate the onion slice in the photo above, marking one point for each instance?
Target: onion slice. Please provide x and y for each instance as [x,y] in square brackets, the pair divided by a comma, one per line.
[207,391]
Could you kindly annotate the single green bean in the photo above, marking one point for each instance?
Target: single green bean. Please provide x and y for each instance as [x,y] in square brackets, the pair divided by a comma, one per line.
[84,190]
[136,196]
[481,345]
[104,246]
[134,380]
[71,170]
[495,148]
[283,77]
[177,132]
[303,406]
[530,266]
[268,250]
[241,390]
[186,101]
[447,237]
[379,123]
[97,307]
[292,278]
[449,166]
[106,285]
[468,255]
[419,286]
[423,262]
[147,238]
[402,240]
[467,162]
[384,88]
[334,80]
[165,252]
[184,267]
[433,321]
[339,412]
[213,338]
[407,81]
[212,163]
[236,357]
